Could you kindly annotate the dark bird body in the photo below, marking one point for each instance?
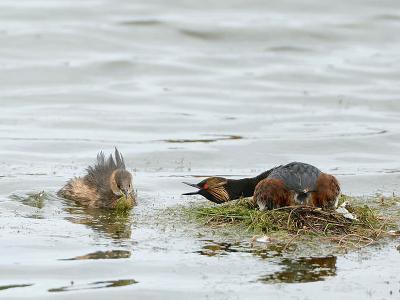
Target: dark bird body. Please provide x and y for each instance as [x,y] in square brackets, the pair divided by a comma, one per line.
[297,184]
[293,184]
[103,185]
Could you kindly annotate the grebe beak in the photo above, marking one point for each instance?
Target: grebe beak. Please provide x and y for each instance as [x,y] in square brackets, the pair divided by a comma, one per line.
[125,193]
[192,185]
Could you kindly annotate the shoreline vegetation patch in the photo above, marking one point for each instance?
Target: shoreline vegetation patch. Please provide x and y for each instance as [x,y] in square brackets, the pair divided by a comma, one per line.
[369,223]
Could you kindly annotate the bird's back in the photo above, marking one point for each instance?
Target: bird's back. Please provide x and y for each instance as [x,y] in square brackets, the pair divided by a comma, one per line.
[79,190]
[297,176]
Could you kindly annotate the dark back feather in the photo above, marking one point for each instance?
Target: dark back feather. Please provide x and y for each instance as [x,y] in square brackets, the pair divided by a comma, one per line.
[297,176]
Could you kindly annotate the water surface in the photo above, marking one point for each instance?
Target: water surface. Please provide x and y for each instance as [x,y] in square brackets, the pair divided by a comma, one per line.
[187,89]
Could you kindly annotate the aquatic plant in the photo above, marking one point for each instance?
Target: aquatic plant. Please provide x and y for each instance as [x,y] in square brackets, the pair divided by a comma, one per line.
[36,200]
[123,204]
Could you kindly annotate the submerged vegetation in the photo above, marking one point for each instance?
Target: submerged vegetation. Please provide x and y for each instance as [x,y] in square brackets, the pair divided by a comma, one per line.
[368,224]
[123,204]
[36,200]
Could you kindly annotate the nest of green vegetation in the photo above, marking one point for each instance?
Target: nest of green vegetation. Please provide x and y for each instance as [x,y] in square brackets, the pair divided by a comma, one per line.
[366,227]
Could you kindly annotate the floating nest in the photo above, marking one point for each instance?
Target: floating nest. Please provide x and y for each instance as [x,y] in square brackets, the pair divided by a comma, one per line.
[364,228]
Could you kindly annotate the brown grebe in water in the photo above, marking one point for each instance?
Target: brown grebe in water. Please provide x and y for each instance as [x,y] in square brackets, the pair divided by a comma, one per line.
[103,185]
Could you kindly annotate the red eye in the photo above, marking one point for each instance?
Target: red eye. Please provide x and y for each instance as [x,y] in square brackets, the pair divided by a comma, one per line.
[205,186]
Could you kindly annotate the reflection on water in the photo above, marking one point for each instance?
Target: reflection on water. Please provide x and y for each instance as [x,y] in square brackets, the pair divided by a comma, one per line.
[213,248]
[305,269]
[144,22]
[202,35]
[112,254]
[272,250]
[210,139]
[11,286]
[94,285]
[217,249]
[111,224]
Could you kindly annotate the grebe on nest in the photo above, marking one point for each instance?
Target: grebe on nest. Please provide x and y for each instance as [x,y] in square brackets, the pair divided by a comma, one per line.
[293,184]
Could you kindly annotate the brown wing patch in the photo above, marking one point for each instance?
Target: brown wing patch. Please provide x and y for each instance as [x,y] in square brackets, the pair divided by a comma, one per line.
[328,189]
[272,193]
[215,186]
[215,182]
[76,189]
[220,194]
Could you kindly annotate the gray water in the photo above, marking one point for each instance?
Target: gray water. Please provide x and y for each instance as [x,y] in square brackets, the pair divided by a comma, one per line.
[187,89]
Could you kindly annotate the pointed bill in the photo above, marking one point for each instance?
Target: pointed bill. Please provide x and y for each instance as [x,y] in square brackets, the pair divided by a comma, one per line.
[192,185]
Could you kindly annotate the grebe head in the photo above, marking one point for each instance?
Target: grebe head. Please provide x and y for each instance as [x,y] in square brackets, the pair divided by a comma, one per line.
[214,189]
[121,183]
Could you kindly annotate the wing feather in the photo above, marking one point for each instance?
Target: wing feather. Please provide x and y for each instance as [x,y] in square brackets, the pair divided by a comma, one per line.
[297,176]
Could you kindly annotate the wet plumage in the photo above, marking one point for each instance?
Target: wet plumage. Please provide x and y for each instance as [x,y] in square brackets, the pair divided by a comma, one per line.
[103,185]
[293,184]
